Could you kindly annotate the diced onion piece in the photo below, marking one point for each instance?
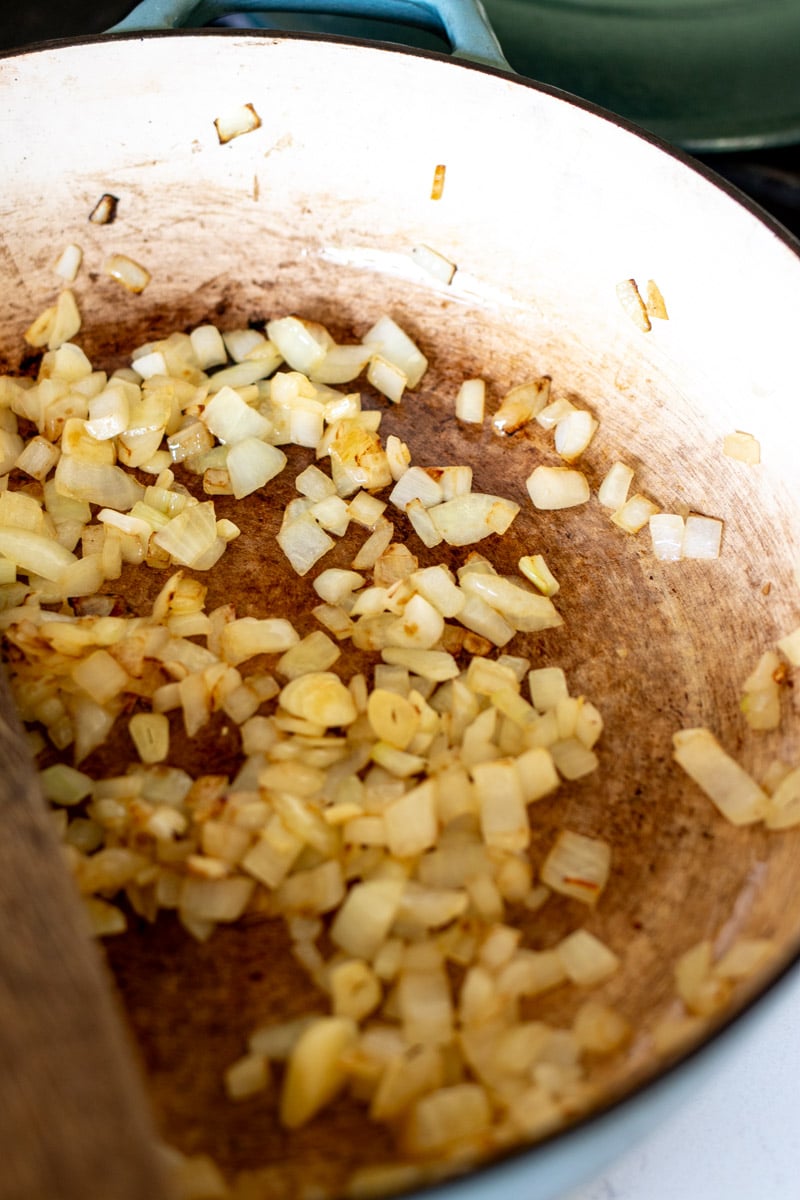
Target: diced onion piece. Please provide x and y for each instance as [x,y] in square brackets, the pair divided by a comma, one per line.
[425,1007]
[249,636]
[246,1077]
[702,537]
[613,491]
[454,480]
[304,543]
[761,702]
[71,364]
[150,735]
[109,413]
[240,119]
[251,464]
[357,458]
[68,263]
[434,263]
[441,1119]
[415,484]
[208,347]
[600,1029]
[11,447]
[503,816]
[245,374]
[131,274]
[244,343]
[435,665]
[467,519]
[587,961]
[437,191]
[363,921]
[37,459]
[436,584]
[342,364]
[365,509]
[271,857]
[231,420]
[295,341]
[105,210]
[315,1072]
[701,989]
[189,536]
[574,433]
[100,676]
[355,989]
[321,698]
[375,545]
[577,866]
[277,1041]
[314,653]
[64,785]
[743,447]
[666,531]
[62,325]
[423,524]
[735,793]
[553,488]
[397,348]
[745,957]
[537,773]
[573,758]
[656,306]
[315,484]
[148,365]
[38,332]
[34,552]
[633,304]
[554,412]
[105,919]
[334,619]
[790,646]
[398,456]
[336,586]
[387,378]
[783,809]
[411,822]
[534,567]
[635,513]
[521,405]
[481,618]
[471,401]
[524,609]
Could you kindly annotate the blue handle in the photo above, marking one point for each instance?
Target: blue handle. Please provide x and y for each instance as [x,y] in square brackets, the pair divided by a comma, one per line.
[463,22]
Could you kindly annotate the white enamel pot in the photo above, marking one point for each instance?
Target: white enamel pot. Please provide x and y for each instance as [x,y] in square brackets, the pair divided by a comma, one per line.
[546,205]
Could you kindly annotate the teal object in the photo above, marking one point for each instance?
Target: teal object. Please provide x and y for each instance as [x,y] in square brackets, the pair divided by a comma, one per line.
[463,22]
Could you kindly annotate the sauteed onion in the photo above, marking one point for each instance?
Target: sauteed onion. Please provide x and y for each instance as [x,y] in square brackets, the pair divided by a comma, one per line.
[386,818]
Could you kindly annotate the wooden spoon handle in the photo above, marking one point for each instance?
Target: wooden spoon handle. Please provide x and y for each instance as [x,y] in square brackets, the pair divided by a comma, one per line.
[74,1123]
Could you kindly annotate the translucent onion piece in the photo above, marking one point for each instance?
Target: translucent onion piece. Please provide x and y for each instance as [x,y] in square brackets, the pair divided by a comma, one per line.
[737,796]
[557,487]
[132,275]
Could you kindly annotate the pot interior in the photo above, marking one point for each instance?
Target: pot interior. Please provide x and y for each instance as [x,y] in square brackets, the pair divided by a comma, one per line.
[546,207]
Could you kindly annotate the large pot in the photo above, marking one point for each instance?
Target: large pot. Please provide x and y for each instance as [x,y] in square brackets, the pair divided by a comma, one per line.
[547,205]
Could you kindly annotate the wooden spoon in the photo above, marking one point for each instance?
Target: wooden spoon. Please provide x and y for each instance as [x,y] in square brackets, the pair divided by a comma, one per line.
[74,1123]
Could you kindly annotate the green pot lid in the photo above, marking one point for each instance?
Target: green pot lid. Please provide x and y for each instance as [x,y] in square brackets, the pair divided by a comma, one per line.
[706,74]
